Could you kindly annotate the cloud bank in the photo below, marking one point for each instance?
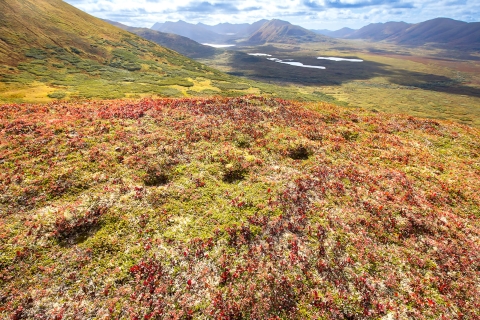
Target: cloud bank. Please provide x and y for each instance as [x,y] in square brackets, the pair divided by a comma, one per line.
[312,14]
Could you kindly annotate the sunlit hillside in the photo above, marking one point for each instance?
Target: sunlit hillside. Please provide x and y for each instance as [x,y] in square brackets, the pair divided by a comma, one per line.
[240,208]
[50,50]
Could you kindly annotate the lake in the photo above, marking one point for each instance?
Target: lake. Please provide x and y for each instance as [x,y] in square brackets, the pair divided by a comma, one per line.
[340,59]
[297,64]
[218,45]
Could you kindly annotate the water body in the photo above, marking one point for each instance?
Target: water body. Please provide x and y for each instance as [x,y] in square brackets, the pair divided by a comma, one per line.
[297,64]
[218,45]
[260,54]
[340,59]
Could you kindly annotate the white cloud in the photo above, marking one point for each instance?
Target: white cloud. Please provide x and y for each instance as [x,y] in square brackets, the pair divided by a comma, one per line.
[314,14]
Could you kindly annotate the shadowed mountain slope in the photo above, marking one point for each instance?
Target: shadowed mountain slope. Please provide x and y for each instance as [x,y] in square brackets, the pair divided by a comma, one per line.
[189,30]
[439,31]
[181,44]
[341,33]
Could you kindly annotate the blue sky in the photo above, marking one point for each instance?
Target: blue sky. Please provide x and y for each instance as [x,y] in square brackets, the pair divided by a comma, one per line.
[311,14]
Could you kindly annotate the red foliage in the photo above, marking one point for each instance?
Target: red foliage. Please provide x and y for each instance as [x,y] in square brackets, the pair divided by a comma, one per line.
[360,219]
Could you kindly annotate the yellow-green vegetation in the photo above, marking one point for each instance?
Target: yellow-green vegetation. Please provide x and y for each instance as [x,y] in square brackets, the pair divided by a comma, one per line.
[50,50]
[235,208]
[421,83]
[432,83]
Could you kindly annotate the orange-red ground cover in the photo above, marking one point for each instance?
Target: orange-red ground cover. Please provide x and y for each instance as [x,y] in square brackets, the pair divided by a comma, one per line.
[236,208]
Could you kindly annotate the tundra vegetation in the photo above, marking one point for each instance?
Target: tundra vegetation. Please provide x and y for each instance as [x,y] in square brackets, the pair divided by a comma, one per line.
[236,208]
[49,50]
[422,82]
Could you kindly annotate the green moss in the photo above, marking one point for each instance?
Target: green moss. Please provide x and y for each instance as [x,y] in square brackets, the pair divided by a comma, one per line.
[36,53]
[226,86]
[57,95]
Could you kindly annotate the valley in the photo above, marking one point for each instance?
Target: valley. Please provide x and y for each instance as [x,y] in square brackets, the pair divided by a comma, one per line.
[425,82]
[236,171]
[421,81]
[54,60]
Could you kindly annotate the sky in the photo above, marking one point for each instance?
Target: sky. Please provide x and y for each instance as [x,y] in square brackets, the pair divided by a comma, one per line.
[310,14]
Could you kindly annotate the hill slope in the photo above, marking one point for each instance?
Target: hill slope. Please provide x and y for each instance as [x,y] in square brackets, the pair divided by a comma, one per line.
[50,50]
[439,31]
[341,33]
[244,208]
[191,31]
[283,32]
[379,31]
[182,45]
[25,24]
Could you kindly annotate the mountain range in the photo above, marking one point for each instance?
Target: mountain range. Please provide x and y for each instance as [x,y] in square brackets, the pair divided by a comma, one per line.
[439,31]
[280,31]
[192,31]
[203,33]
[239,30]
[181,44]
[260,32]
[335,34]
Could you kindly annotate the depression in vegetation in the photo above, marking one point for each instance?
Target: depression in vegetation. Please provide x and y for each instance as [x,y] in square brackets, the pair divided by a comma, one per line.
[235,208]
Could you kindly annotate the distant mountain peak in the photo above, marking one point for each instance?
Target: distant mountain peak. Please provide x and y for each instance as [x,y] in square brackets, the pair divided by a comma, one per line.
[281,31]
[220,33]
[172,41]
[341,33]
[439,32]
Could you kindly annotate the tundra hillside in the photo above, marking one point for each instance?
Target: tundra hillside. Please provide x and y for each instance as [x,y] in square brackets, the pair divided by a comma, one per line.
[50,50]
[236,208]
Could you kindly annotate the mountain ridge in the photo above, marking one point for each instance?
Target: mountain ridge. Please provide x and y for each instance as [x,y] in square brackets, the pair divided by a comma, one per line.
[283,32]
[379,31]
[438,32]
[220,33]
[181,44]
[191,31]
